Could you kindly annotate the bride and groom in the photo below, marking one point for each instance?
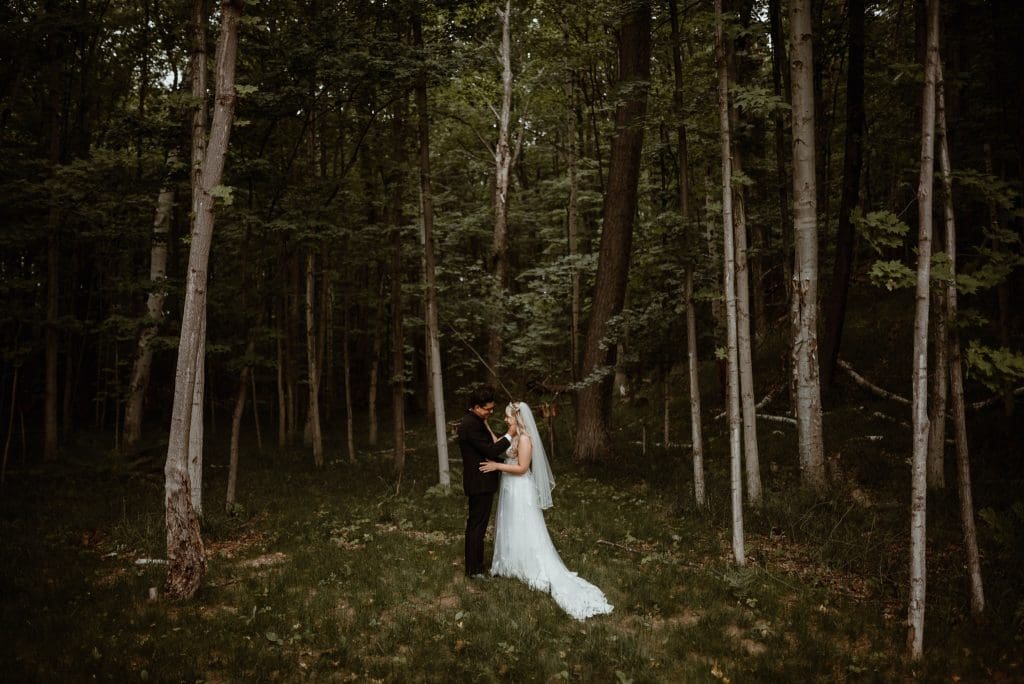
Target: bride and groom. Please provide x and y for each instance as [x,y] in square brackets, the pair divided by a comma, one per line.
[517,466]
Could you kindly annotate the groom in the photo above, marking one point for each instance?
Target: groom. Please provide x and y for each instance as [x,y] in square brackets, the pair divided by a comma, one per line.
[477,445]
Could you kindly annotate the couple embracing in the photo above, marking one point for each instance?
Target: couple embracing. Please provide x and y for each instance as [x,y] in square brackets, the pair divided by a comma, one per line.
[516,466]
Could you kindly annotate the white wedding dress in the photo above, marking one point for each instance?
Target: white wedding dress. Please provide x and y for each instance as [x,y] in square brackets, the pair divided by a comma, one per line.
[523,548]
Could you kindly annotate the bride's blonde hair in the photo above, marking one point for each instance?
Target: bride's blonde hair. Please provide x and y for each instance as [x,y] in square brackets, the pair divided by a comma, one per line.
[512,411]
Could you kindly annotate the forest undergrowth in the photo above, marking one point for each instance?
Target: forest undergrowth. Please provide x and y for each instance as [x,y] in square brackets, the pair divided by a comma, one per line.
[345,575]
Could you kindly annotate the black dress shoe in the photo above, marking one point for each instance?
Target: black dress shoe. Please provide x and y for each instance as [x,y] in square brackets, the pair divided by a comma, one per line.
[479,577]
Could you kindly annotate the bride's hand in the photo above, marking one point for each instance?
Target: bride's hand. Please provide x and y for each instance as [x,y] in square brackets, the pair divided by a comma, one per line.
[488,466]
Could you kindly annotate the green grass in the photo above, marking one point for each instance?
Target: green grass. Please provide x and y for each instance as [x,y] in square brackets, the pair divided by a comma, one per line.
[337,575]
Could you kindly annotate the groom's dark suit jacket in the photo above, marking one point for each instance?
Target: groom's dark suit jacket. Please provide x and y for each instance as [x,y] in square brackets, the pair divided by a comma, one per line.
[476,445]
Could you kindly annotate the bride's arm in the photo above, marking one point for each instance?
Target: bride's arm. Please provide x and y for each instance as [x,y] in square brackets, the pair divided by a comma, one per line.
[525,456]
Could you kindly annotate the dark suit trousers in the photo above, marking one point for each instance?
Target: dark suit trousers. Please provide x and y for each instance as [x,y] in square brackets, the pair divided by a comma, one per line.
[476,528]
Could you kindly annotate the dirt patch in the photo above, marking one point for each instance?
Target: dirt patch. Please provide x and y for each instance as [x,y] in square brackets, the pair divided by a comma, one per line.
[749,645]
[267,559]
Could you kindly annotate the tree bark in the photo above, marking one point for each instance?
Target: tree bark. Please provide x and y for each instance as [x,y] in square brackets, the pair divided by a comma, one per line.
[427,209]
[593,400]
[835,309]
[729,281]
[919,400]
[956,379]
[139,381]
[347,372]
[396,188]
[780,84]
[683,205]
[313,360]
[503,166]
[236,426]
[375,359]
[185,553]
[936,475]
[804,302]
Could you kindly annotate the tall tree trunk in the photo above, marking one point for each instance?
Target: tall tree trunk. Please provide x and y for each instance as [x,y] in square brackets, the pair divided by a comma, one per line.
[154,311]
[236,427]
[835,309]
[313,360]
[396,189]
[936,474]
[683,205]
[780,84]
[956,379]
[197,67]
[185,553]
[919,489]
[503,166]
[427,209]
[375,359]
[593,401]
[729,280]
[804,302]
[282,396]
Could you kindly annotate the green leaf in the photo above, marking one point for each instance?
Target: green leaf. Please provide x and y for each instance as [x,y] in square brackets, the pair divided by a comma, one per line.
[881,229]
[892,275]
[223,192]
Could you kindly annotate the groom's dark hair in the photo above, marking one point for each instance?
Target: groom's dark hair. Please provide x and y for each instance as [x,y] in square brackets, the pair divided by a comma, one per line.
[481,396]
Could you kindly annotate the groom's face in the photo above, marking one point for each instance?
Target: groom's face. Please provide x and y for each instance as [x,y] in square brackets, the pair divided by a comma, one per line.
[484,411]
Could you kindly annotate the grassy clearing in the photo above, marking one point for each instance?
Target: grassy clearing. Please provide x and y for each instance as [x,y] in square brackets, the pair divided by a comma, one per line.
[336,576]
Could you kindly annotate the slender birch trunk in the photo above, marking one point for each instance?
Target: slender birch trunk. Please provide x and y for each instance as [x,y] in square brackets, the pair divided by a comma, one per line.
[185,553]
[313,360]
[751,461]
[696,434]
[236,427]
[139,381]
[732,383]
[956,379]
[683,204]
[804,303]
[919,488]
[427,209]
[936,475]
[255,412]
[503,166]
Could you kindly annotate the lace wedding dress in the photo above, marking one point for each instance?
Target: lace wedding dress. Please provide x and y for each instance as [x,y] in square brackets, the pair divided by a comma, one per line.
[522,546]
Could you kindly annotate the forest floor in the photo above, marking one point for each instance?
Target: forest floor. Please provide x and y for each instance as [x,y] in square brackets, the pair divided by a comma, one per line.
[341,574]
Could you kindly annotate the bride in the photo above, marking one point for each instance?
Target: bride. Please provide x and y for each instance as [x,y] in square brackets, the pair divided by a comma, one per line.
[522,546]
